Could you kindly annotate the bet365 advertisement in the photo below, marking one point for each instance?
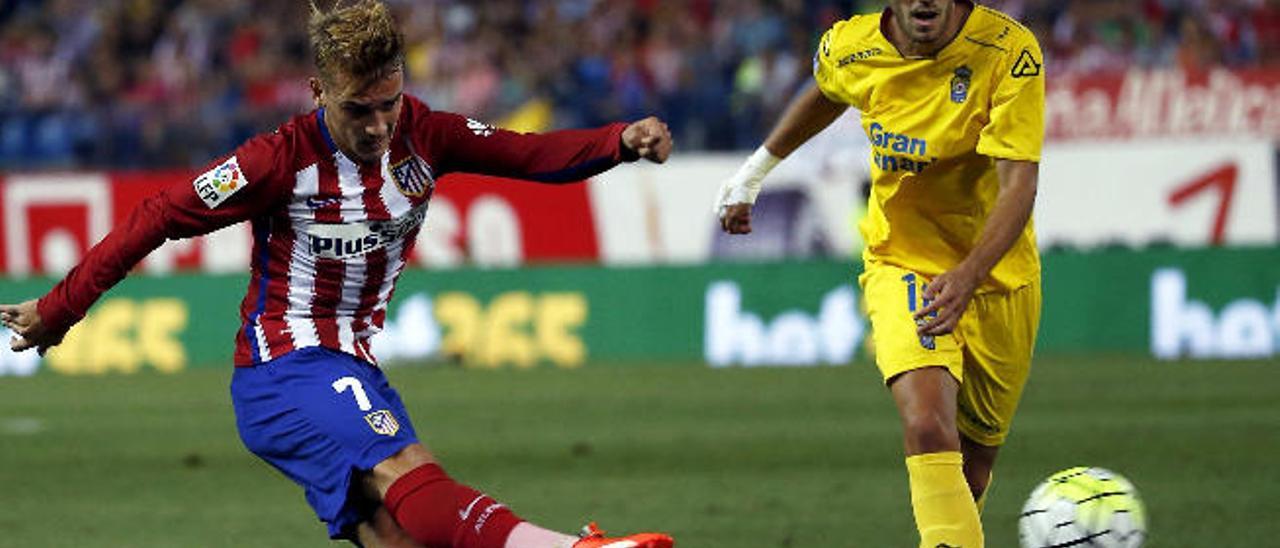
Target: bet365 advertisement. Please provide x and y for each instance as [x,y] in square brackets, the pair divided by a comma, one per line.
[1172,304]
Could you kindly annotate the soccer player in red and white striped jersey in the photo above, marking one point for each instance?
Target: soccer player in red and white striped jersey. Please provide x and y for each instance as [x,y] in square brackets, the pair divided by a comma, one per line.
[335,198]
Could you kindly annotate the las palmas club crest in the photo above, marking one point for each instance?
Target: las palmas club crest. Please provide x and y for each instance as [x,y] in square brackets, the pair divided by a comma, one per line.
[413,176]
[383,422]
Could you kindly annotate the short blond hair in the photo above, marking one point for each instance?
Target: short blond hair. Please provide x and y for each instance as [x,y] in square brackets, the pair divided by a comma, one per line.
[360,41]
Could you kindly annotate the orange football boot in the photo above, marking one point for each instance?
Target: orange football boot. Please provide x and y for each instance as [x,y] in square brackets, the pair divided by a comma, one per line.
[593,537]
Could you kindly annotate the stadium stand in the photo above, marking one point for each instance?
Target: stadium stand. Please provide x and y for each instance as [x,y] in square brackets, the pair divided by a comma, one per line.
[171,83]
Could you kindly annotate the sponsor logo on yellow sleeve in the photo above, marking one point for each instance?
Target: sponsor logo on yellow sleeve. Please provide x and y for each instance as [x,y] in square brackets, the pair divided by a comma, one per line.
[1026,65]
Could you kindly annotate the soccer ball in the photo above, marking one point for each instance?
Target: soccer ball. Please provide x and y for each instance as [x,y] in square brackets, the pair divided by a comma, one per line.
[1083,507]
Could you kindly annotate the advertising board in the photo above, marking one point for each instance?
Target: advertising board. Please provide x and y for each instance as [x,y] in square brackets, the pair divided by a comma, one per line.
[1167,303]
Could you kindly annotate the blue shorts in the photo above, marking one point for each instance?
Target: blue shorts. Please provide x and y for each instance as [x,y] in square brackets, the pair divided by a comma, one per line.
[321,417]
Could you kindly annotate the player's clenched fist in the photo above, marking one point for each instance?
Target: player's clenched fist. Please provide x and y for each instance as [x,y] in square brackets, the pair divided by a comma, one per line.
[29,331]
[650,138]
[736,218]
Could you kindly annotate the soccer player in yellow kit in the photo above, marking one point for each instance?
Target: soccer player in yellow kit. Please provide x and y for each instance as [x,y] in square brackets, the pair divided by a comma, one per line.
[952,99]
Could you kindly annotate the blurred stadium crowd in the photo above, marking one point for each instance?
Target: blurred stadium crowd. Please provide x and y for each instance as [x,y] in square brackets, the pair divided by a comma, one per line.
[173,83]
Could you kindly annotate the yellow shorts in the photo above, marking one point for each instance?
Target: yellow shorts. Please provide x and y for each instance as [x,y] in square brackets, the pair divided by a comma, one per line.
[989,353]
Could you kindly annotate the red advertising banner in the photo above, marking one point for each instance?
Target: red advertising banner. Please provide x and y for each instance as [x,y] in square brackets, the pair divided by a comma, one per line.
[1164,103]
[492,221]
[48,222]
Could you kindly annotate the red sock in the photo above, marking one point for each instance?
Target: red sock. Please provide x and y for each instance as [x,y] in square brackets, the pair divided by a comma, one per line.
[441,513]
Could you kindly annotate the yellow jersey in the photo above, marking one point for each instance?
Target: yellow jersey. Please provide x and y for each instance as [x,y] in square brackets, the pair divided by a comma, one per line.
[937,126]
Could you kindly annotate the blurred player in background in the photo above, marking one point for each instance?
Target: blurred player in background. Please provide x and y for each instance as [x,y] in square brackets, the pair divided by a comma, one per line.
[336,198]
[952,98]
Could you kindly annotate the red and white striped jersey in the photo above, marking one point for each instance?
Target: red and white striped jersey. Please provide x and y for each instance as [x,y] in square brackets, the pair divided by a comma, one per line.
[331,235]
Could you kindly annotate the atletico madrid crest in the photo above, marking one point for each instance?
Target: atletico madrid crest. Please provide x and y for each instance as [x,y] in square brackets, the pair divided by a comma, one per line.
[413,176]
[383,422]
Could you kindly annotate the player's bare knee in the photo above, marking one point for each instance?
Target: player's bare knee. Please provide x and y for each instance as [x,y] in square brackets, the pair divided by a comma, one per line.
[929,432]
[399,464]
[414,455]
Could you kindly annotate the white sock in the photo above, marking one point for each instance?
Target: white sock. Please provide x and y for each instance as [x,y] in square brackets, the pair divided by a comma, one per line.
[528,535]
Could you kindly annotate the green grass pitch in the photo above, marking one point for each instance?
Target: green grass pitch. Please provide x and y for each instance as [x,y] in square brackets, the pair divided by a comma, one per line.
[719,458]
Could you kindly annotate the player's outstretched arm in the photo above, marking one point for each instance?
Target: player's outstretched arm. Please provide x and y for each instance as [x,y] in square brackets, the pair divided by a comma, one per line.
[809,113]
[951,291]
[42,323]
[233,190]
[562,156]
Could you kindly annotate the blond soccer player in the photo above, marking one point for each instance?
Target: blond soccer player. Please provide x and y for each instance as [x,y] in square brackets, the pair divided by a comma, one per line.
[952,100]
[336,197]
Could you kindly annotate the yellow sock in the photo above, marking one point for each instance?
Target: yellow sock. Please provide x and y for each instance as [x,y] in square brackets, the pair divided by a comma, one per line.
[946,514]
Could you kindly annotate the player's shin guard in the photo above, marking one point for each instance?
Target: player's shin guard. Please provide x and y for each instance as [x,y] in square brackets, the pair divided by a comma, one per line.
[944,508]
[439,512]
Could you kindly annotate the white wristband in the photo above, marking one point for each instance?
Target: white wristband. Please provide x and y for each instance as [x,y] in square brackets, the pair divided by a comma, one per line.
[745,185]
